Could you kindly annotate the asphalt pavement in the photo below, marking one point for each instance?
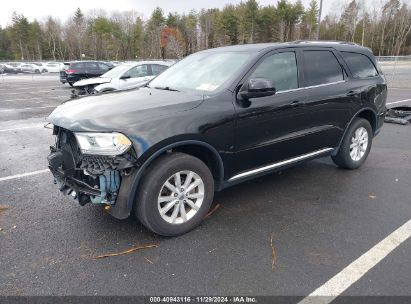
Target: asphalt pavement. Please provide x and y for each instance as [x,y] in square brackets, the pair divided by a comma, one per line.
[320,218]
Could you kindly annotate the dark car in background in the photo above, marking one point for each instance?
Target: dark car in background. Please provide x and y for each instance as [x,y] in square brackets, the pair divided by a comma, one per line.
[86,69]
[217,118]
[63,74]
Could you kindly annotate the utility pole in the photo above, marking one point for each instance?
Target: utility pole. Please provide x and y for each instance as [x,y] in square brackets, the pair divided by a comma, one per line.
[319,20]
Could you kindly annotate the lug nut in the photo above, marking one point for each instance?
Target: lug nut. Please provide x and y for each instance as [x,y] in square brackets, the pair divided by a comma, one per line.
[175,194]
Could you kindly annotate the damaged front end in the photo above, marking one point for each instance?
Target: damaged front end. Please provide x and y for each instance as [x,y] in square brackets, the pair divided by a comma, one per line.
[89,177]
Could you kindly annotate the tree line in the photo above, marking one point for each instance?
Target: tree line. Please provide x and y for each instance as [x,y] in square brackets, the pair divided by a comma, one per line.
[125,35]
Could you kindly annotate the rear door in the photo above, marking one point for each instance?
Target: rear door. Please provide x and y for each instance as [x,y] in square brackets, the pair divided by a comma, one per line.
[329,99]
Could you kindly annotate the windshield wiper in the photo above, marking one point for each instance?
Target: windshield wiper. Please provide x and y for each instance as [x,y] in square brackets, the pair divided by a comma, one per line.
[166,88]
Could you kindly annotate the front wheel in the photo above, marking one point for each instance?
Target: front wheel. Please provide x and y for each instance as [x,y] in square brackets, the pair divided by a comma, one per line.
[175,194]
[355,146]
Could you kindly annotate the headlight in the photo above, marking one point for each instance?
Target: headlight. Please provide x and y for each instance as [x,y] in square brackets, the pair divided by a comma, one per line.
[103,143]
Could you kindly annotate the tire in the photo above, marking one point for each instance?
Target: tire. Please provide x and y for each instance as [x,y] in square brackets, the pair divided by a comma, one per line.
[349,157]
[71,84]
[164,169]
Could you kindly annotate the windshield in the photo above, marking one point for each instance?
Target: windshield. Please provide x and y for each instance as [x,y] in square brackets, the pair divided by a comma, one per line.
[117,71]
[205,71]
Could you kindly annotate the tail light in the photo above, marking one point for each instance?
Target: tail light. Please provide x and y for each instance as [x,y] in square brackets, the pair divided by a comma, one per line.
[70,71]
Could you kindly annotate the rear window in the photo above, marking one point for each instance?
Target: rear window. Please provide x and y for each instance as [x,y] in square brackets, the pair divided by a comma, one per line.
[360,65]
[321,67]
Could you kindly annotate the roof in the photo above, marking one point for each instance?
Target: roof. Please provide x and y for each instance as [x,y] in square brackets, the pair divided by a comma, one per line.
[258,47]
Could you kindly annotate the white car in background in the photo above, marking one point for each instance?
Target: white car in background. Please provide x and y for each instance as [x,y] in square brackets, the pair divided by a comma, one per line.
[30,68]
[122,77]
[48,67]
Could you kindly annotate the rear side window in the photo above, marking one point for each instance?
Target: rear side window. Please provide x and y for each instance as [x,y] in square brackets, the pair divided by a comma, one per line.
[78,66]
[138,71]
[281,68]
[321,67]
[360,65]
[91,66]
[157,68]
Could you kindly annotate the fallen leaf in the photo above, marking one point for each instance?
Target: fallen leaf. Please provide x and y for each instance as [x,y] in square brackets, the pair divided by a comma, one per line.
[212,211]
[124,252]
[372,196]
[273,254]
[14,227]
[148,260]
[212,250]
[4,207]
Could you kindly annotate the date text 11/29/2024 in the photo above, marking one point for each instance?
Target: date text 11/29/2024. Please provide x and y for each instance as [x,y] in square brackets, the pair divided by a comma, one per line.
[204,299]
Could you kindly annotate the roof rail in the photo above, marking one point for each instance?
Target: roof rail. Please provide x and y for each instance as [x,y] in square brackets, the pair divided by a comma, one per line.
[324,41]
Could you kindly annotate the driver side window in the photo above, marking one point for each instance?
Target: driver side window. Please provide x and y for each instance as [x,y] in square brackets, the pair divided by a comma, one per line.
[281,68]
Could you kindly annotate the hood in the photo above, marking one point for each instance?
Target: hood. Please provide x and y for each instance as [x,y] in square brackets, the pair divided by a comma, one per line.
[97,80]
[121,111]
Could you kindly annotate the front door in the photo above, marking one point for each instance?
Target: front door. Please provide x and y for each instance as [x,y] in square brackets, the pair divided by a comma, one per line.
[138,75]
[270,129]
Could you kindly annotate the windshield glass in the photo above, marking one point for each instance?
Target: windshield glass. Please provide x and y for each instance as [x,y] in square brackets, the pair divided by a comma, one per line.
[117,71]
[206,71]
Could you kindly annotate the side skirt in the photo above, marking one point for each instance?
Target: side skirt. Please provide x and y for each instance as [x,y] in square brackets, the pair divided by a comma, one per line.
[275,167]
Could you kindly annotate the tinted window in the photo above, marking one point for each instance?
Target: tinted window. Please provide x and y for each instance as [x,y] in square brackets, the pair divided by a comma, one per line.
[91,66]
[78,65]
[281,68]
[157,69]
[103,67]
[359,65]
[321,67]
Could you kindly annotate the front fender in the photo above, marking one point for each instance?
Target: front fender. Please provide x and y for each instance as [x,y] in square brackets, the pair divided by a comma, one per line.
[129,185]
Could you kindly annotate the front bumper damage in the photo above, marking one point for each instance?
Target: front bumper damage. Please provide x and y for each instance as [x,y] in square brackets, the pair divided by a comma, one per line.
[104,180]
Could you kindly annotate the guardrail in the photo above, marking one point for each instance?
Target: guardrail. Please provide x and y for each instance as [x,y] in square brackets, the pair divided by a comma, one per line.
[393,58]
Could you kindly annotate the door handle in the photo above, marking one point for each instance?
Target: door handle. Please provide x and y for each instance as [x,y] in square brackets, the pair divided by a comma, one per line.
[352,93]
[296,103]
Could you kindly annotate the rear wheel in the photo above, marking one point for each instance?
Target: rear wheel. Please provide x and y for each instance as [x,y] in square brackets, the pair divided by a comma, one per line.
[355,146]
[175,194]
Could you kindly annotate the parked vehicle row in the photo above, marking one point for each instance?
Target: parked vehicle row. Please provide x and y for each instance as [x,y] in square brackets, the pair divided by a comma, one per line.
[33,68]
[216,118]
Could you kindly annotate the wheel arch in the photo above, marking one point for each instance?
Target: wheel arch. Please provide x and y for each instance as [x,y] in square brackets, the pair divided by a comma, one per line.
[200,149]
[366,113]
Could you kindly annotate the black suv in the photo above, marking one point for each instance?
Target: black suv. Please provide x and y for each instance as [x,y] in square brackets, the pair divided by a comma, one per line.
[214,119]
[84,69]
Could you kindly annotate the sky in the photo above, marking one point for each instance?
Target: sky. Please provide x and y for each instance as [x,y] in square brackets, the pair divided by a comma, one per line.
[39,9]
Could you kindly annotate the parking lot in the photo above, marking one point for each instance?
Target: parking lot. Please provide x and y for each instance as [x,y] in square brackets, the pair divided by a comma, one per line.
[321,219]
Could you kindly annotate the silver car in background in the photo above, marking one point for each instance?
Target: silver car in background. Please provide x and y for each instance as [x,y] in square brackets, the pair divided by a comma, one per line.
[123,77]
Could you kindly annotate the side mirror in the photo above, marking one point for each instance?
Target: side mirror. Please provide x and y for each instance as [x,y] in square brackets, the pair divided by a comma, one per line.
[125,77]
[257,87]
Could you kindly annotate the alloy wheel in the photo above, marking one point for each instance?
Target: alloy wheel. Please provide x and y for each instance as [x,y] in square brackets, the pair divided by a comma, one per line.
[359,144]
[180,197]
